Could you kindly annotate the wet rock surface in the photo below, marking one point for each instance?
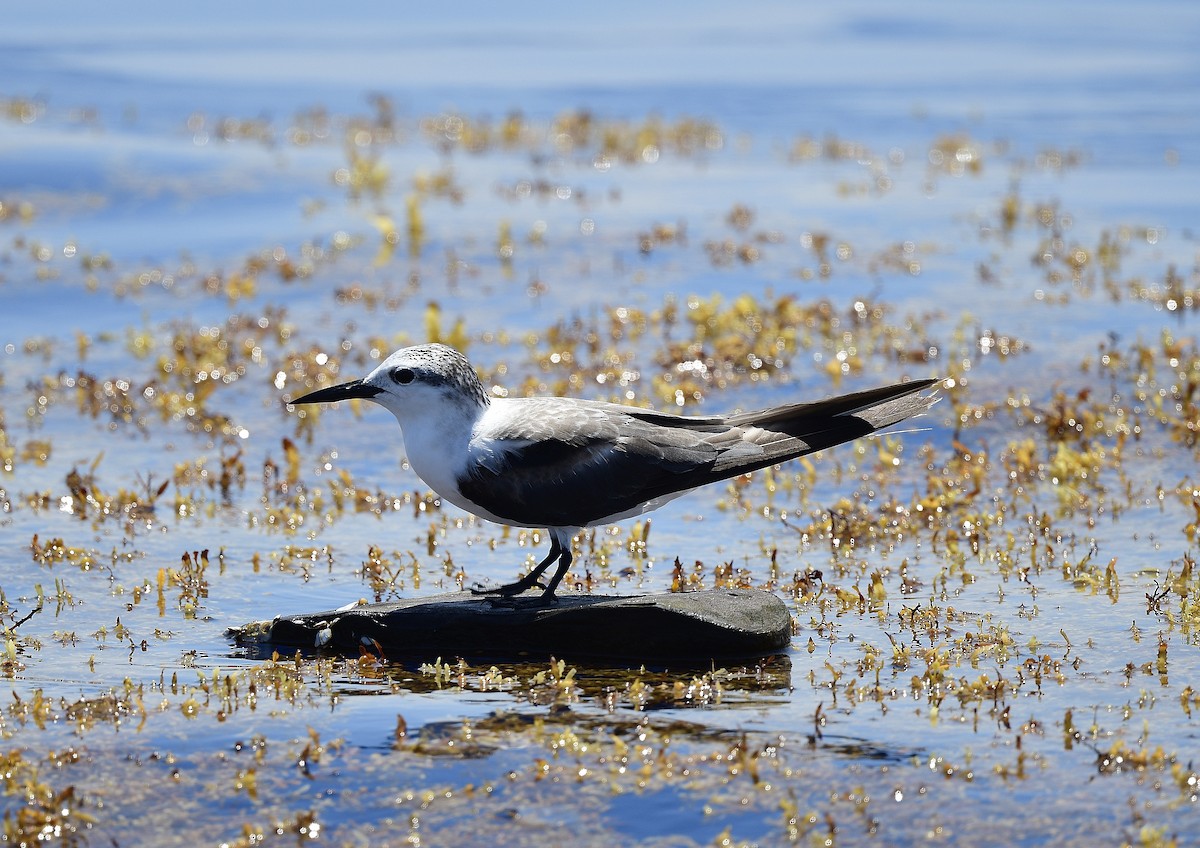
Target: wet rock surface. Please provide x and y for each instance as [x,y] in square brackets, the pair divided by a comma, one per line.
[693,625]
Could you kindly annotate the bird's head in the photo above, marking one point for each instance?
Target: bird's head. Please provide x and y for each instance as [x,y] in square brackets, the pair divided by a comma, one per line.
[413,380]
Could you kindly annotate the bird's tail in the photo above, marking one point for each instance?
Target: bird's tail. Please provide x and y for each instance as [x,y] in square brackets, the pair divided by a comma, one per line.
[799,428]
[879,407]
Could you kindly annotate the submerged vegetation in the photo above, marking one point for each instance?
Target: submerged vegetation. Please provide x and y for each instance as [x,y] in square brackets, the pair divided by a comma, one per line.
[1006,598]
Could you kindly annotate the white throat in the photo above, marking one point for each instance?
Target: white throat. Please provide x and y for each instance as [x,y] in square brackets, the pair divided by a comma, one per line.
[436,440]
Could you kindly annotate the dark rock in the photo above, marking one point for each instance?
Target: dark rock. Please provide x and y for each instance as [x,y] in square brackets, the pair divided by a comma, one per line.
[721,623]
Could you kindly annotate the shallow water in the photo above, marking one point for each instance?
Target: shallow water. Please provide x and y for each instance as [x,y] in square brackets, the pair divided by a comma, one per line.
[1008,198]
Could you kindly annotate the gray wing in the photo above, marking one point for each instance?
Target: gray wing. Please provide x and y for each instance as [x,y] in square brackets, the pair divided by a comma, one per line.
[572,463]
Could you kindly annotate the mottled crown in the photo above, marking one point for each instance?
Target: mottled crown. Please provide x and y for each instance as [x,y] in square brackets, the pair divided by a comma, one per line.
[441,365]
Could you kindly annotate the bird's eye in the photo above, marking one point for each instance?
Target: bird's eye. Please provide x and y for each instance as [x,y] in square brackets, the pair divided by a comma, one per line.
[404,376]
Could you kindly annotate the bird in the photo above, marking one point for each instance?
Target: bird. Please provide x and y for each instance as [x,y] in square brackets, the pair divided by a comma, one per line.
[566,463]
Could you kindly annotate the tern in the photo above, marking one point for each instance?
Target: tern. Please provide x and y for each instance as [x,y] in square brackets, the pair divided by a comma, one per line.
[566,464]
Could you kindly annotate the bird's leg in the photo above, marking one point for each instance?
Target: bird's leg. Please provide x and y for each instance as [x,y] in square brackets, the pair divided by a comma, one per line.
[564,563]
[532,578]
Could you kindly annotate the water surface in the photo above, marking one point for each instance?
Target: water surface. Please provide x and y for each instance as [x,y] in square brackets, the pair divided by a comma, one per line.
[204,213]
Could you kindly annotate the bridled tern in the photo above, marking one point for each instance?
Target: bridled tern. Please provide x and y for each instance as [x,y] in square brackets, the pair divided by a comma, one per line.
[565,464]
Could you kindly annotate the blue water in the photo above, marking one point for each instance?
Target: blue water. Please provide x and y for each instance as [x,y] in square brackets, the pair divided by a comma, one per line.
[110,130]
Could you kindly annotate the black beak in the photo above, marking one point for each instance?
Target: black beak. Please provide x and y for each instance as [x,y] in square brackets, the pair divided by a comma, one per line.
[345,391]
